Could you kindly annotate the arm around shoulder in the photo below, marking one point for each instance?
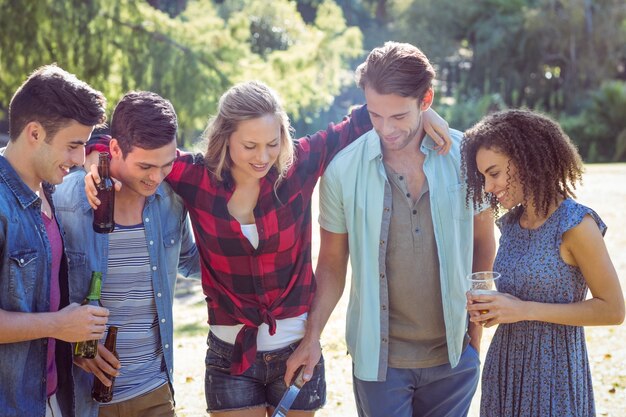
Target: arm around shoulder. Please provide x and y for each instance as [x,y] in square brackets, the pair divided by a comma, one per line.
[189,259]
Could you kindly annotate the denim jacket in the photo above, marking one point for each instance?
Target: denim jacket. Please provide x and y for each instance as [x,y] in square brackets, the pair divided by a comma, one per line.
[25,268]
[171,249]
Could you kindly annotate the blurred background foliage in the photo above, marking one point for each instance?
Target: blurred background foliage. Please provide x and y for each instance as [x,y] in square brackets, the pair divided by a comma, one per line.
[563,57]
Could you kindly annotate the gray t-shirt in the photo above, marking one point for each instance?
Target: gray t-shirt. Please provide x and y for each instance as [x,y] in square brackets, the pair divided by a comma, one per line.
[417,333]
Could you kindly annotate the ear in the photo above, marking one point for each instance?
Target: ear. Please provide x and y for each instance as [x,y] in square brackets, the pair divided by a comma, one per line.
[34,133]
[114,148]
[427,101]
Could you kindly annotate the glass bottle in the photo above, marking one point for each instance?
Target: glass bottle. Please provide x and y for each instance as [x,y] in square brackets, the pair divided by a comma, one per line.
[89,348]
[103,216]
[101,392]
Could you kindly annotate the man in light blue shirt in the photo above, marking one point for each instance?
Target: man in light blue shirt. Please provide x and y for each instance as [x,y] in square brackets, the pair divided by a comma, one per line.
[140,260]
[398,209]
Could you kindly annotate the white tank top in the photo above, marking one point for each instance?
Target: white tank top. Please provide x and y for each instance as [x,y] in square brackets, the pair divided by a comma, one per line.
[288,331]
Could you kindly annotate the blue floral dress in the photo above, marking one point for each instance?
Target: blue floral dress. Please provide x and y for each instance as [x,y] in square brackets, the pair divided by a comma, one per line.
[535,368]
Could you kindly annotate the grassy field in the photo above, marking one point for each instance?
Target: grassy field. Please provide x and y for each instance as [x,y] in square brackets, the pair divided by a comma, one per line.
[604,190]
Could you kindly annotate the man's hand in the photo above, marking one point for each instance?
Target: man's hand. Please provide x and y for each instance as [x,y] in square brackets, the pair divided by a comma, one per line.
[307,353]
[105,363]
[91,160]
[91,179]
[76,323]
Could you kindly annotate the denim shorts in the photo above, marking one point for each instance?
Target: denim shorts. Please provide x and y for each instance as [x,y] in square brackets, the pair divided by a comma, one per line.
[261,385]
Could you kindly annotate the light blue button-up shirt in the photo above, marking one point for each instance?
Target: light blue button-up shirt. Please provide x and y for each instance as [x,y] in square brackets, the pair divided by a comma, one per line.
[171,250]
[353,200]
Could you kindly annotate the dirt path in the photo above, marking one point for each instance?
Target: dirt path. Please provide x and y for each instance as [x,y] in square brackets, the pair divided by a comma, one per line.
[604,190]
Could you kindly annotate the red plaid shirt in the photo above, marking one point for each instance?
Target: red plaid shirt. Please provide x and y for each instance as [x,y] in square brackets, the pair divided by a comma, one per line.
[251,286]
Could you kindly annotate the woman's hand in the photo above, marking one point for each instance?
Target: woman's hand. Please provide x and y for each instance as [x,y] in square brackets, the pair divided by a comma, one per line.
[437,128]
[495,308]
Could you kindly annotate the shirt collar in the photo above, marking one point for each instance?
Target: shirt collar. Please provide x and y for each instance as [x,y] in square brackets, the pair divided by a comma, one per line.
[24,195]
[374,150]
[428,145]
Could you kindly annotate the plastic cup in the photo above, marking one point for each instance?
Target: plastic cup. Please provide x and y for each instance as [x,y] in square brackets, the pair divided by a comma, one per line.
[483,282]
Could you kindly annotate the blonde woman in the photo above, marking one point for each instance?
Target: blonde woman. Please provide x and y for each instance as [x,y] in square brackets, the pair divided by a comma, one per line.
[249,198]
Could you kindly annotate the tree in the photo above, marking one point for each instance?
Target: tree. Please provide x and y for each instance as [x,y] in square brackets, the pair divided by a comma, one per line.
[539,53]
[306,64]
[191,58]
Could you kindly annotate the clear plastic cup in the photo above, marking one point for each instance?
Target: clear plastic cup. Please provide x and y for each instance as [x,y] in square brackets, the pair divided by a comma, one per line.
[483,282]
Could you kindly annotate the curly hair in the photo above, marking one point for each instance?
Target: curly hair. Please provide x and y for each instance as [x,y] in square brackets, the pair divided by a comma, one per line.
[547,162]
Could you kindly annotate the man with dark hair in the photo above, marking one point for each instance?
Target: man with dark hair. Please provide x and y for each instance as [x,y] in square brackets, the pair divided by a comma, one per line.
[140,259]
[50,119]
[398,209]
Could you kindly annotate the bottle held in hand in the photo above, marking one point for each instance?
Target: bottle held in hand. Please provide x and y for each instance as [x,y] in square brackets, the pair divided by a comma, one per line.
[100,392]
[103,216]
[89,348]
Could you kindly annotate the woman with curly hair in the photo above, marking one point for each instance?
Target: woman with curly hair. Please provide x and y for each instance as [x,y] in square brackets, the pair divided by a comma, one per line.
[551,252]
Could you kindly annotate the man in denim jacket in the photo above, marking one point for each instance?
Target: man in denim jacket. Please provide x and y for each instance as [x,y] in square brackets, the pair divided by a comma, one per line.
[50,119]
[140,259]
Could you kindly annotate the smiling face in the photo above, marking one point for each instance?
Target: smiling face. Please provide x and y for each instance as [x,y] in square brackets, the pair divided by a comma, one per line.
[501,178]
[396,119]
[254,147]
[53,157]
[143,170]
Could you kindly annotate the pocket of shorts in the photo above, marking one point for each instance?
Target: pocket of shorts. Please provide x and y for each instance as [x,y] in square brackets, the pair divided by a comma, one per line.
[216,360]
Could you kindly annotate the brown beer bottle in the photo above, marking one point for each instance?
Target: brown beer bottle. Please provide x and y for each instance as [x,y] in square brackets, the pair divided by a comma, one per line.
[89,348]
[101,392]
[103,216]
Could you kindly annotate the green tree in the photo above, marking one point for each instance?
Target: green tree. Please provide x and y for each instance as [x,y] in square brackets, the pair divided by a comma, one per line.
[191,58]
[539,53]
[121,45]
[306,64]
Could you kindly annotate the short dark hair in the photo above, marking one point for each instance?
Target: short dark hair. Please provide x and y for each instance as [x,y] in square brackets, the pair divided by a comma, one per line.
[396,68]
[547,162]
[143,119]
[54,97]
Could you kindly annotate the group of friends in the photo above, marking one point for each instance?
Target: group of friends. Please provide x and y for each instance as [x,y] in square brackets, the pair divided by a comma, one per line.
[410,203]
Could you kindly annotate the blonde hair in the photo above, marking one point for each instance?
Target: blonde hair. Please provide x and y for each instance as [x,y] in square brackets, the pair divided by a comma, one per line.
[245,101]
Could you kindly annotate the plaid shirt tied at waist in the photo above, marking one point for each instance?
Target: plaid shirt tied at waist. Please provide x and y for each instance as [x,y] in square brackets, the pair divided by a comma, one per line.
[249,286]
